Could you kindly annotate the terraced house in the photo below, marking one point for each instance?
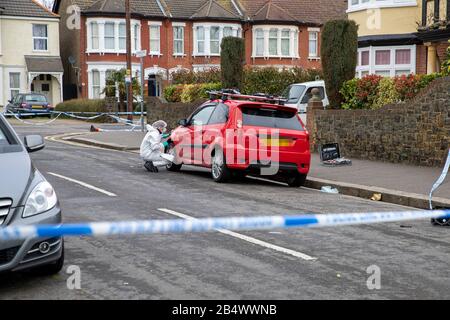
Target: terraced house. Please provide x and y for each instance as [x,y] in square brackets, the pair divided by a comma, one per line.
[29,51]
[401,36]
[186,34]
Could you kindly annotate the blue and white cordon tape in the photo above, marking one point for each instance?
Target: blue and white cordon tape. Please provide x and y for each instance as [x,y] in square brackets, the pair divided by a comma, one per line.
[212,224]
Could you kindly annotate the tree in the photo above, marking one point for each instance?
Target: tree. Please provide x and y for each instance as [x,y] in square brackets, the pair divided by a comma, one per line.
[118,77]
[339,56]
[446,64]
[232,62]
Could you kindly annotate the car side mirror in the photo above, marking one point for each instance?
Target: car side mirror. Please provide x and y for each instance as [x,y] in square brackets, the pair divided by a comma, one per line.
[34,143]
[183,123]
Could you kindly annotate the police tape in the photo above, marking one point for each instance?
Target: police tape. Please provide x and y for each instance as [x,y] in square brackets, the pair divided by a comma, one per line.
[96,229]
[440,180]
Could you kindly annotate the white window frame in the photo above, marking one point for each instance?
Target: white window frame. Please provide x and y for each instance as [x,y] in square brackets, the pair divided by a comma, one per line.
[181,26]
[358,5]
[260,52]
[114,35]
[40,38]
[101,35]
[316,32]
[236,30]
[152,51]
[393,68]
[11,89]
[293,44]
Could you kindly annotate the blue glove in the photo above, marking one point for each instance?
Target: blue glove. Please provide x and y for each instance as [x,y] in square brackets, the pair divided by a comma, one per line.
[165,144]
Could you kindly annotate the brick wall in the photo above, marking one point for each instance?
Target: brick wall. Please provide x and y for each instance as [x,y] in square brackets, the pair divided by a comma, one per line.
[417,132]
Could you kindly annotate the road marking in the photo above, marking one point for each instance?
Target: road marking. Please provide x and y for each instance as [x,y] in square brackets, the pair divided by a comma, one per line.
[86,185]
[247,238]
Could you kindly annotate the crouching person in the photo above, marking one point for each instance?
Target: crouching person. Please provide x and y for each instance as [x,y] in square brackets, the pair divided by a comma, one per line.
[152,149]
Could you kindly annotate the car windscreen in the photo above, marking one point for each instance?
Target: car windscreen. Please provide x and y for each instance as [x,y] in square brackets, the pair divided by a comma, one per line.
[3,140]
[271,118]
[294,93]
[35,98]
[8,141]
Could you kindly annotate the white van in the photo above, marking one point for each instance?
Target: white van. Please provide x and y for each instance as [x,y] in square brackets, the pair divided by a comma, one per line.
[298,94]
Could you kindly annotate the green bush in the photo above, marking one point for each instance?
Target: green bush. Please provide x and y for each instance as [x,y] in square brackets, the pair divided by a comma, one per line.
[446,64]
[187,93]
[386,93]
[232,62]
[85,105]
[82,105]
[212,75]
[173,93]
[338,56]
[373,92]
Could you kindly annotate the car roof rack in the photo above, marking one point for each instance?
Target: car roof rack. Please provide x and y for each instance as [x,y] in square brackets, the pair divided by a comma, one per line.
[232,94]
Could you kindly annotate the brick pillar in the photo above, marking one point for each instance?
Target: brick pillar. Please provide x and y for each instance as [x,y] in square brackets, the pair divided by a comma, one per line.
[314,104]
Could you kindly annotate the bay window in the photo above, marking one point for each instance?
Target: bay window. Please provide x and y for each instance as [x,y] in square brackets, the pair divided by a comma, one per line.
[208,37]
[386,61]
[95,84]
[313,44]
[355,5]
[14,84]
[275,41]
[109,35]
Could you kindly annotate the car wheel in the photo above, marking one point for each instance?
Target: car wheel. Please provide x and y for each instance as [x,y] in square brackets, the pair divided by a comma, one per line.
[52,268]
[297,180]
[219,170]
[174,167]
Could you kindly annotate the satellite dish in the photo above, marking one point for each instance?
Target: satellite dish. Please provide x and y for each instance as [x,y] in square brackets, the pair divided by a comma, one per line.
[72,60]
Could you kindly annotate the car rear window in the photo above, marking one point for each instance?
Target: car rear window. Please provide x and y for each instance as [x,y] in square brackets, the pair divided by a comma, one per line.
[35,98]
[271,118]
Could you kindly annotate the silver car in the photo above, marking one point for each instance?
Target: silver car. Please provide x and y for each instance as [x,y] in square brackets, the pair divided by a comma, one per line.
[26,198]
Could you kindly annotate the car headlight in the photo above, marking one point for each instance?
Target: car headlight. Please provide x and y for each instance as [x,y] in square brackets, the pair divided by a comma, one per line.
[41,199]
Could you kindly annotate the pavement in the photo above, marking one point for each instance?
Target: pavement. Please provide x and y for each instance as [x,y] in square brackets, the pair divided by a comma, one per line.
[397,183]
[413,257]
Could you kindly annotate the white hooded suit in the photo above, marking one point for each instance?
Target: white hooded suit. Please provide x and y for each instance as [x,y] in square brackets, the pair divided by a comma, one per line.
[152,148]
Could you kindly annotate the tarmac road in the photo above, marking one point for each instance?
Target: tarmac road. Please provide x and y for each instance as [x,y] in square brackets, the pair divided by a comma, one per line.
[322,263]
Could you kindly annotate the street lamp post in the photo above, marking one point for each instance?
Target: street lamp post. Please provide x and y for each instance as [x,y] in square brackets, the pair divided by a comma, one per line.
[142,54]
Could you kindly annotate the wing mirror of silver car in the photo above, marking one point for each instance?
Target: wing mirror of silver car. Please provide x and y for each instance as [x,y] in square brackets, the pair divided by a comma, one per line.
[34,143]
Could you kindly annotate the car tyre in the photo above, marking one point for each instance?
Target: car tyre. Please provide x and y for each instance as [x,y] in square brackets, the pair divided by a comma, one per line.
[173,167]
[297,180]
[219,169]
[52,268]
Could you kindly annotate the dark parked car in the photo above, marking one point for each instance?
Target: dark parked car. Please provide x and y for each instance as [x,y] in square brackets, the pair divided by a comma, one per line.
[30,103]
[26,198]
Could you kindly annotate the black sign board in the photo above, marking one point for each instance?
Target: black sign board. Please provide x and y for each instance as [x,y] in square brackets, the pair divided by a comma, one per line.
[329,151]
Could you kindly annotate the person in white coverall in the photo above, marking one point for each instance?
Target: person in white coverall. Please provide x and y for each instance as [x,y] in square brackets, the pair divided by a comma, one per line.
[152,148]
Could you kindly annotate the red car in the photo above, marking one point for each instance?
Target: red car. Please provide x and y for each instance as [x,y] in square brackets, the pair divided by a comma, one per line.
[236,137]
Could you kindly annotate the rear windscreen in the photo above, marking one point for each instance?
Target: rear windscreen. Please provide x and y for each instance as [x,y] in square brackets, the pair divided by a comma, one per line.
[35,98]
[271,118]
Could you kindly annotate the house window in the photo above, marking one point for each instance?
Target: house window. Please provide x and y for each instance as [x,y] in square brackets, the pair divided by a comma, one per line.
[313,44]
[273,42]
[178,40]
[386,61]
[155,40]
[110,36]
[122,36]
[214,40]
[285,43]
[95,84]
[136,30]
[14,83]
[259,42]
[228,32]
[382,57]
[95,43]
[200,40]
[40,37]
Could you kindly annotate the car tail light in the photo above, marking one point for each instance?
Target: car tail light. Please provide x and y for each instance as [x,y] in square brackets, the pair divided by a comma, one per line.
[49,106]
[23,105]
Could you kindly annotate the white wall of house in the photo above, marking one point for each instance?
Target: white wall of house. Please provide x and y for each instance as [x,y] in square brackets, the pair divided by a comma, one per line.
[16,42]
